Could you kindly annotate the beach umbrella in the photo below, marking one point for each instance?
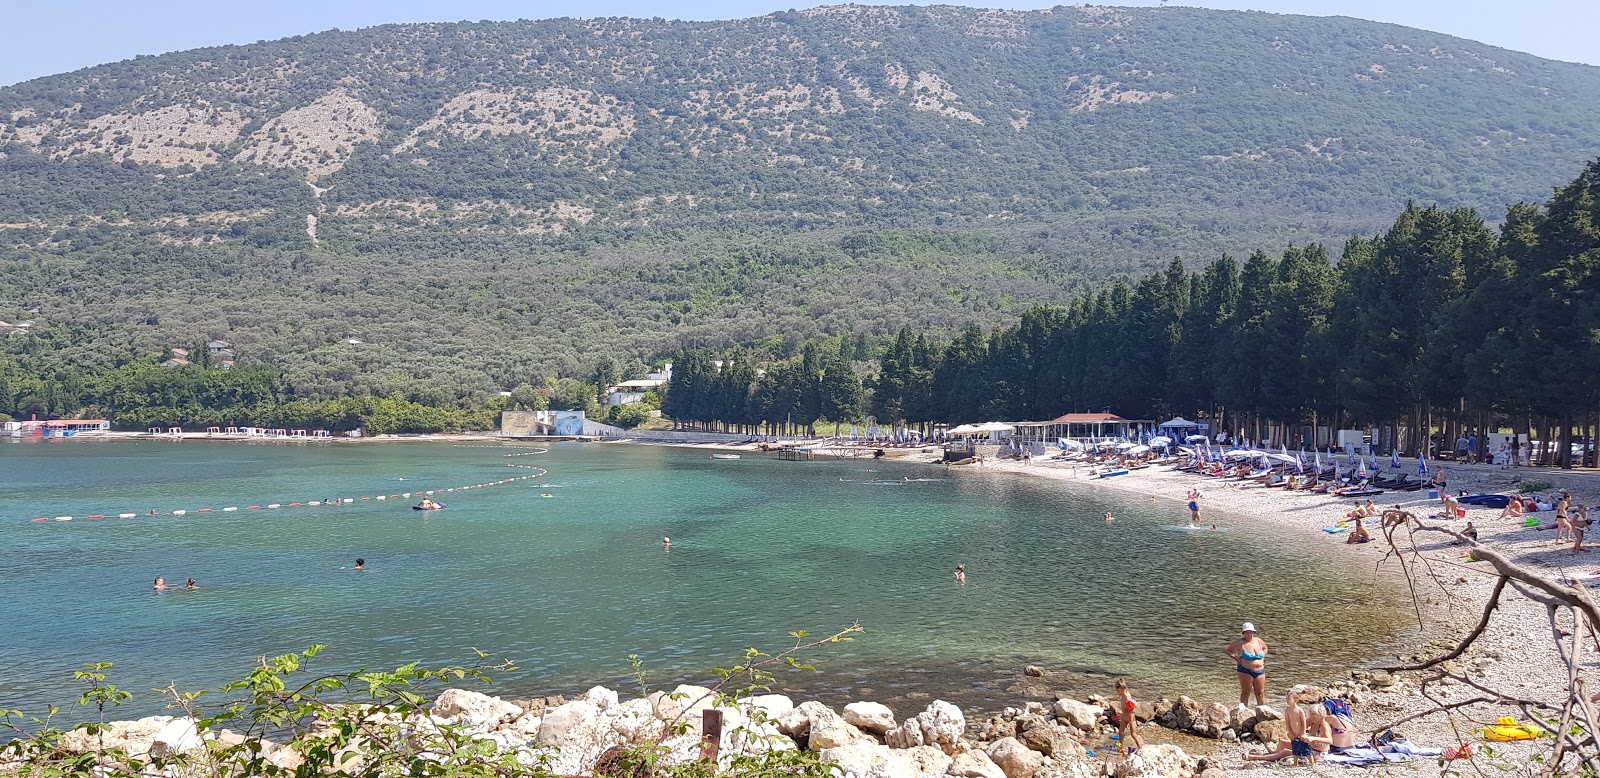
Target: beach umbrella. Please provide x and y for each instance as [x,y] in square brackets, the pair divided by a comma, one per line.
[1394,458]
[1161,440]
[1422,464]
[1361,470]
[1136,450]
[1374,455]
[1319,460]
[1198,439]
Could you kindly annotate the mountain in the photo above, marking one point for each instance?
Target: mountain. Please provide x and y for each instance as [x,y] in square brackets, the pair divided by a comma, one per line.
[482,202]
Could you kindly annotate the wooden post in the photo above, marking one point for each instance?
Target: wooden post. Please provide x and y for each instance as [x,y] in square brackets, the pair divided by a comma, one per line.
[711,735]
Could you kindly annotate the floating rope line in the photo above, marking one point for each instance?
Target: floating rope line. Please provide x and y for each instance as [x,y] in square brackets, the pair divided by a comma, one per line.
[540,472]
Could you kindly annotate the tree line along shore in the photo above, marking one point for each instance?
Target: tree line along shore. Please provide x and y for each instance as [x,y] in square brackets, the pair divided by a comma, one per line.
[1440,323]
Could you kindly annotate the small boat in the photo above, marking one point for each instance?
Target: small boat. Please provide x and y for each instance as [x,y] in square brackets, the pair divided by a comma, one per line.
[1113,473]
[724,456]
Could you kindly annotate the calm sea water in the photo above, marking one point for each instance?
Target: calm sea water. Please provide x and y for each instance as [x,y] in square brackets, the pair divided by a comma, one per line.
[569,585]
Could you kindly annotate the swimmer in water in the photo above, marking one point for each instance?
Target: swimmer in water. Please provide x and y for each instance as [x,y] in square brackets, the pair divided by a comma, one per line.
[961,574]
[666,542]
[361,564]
[1109,517]
[161,584]
[152,511]
[191,585]
[1194,509]
[1213,526]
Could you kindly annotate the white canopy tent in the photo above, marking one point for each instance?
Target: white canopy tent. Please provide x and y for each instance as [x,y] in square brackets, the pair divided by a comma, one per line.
[1178,422]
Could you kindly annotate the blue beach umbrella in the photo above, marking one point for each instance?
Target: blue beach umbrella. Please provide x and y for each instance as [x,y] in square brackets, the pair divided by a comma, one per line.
[1394,458]
[1319,460]
[1374,456]
[1422,464]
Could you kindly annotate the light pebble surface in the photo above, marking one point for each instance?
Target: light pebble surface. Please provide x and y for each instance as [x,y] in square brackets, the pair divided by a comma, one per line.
[1515,655]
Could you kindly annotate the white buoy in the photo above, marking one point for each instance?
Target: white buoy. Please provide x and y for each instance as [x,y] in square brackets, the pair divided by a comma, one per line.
[63,518]
[125,515]
[229,510]
[275,505]
[179,513]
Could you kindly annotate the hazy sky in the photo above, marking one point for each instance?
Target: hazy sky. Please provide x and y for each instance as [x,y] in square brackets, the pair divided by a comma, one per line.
[43,38]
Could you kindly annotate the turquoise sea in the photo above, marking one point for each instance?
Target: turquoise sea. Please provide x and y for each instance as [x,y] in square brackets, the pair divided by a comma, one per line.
[569,585]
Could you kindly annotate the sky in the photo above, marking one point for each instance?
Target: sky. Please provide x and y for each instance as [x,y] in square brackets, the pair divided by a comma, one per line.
[44,38]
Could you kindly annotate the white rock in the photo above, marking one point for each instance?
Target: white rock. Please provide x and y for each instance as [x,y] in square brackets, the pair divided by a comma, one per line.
[1016,759]
[828,729]
[179,736]
[942,725]
[579,731]
[907,735]
[475,711]
[635,721]
[132,737]
[796,724]
[526,724]
[867,760]
[685,700]
[870,716]
[929,760]
[771,706]
[1157,761]
[974,764]
[1070,768]
[1078,715]
[603,698]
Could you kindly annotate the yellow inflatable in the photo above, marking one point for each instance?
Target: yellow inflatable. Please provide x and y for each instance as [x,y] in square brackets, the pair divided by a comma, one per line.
[1507,728]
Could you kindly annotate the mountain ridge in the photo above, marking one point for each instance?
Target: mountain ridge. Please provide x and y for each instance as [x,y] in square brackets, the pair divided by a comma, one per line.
[947,164]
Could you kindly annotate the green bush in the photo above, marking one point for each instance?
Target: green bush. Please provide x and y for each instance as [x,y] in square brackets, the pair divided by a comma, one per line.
[1530,485]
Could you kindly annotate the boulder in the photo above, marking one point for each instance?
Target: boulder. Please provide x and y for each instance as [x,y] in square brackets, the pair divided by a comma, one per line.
[1016,759]
[1146,711]
[1241,719]
[1267,713]
[600,697]
[864,760]
[527,724]
[1033,671]
[474,710]
[870,716]
[132,737]
[178,736]
[942,725]
[579,733]
[1156,761]
[769,706]
[1271,730]
[684,701]
[1071,768]
[928,760]
[974,764]
[828,729]
[1212,720]
[1050,740]
[633,721]
[1078,715]
[907,735]
[1183,714]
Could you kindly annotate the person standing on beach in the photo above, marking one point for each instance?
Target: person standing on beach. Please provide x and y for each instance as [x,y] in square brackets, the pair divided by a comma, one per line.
[1249,653]
[1563,524]
[1579,522]
[1127,724]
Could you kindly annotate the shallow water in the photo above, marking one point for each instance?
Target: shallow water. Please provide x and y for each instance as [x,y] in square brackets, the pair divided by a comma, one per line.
[568,586]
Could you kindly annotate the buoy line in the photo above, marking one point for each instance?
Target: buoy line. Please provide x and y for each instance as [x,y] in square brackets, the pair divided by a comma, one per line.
[539,473]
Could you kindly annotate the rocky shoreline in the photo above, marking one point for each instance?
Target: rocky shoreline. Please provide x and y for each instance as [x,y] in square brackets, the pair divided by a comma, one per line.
[1062,738]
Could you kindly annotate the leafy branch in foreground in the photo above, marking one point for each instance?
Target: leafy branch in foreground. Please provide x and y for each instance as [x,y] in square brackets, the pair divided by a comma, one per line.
[281,720]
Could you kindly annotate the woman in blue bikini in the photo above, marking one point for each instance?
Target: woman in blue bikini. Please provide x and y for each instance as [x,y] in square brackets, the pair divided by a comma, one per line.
[1249,653]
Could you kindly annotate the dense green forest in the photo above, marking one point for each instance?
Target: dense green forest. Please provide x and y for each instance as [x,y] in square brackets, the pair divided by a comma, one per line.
[1438,322]
[442,211]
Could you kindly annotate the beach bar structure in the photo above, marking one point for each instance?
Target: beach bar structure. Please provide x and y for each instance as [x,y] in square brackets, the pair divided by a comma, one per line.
[1086,428]
[54,427]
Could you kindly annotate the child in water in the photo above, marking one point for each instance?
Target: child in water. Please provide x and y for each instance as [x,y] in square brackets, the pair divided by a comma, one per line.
[961,573]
